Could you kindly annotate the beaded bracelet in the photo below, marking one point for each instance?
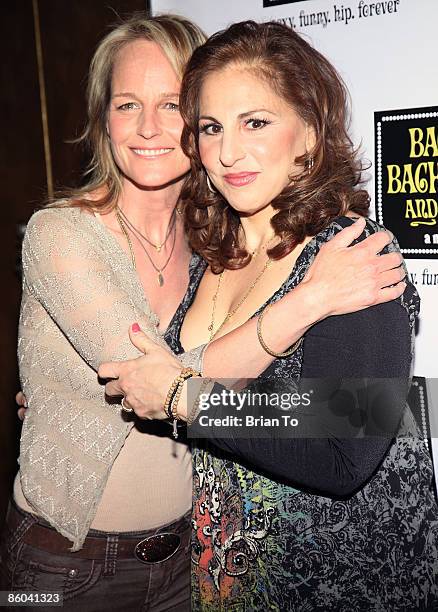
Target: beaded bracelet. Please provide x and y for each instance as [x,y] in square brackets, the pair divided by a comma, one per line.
[185,373]
[173,395]
[263,343]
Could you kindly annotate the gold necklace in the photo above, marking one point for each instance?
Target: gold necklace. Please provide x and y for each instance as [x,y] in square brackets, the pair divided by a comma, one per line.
[132,227]
[159,271]
[128,239]
[231,313]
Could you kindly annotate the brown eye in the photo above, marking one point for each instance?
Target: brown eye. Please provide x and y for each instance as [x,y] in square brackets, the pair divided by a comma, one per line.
[256,124]
[210,128]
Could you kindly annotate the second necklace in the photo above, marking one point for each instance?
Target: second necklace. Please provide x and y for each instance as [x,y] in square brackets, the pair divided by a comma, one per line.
[232,312]
[159,271]
[135,230]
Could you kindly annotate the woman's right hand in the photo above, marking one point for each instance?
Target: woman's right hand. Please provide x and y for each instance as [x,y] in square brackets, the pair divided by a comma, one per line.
[344,278]
[21,401]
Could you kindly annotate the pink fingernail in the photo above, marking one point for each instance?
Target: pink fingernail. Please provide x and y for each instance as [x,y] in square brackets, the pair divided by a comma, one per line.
[135,328]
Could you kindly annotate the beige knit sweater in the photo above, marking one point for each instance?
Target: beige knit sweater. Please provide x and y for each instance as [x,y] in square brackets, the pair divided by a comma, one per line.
[80,294]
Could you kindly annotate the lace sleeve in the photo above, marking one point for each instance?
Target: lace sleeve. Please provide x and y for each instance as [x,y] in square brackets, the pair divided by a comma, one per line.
[87,287]
[194,358]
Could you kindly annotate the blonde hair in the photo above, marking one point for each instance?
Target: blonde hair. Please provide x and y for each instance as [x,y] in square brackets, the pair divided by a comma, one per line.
[178,38]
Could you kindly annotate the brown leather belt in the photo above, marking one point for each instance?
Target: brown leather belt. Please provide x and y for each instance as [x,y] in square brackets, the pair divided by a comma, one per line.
[153,546]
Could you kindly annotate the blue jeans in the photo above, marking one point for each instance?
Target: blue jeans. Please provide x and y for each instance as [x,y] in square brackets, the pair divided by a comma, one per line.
[90,585]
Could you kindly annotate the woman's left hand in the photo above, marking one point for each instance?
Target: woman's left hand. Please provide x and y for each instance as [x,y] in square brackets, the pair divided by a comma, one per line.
[144,382]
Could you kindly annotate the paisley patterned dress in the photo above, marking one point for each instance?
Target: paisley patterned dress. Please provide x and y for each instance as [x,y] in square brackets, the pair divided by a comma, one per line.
[261,544]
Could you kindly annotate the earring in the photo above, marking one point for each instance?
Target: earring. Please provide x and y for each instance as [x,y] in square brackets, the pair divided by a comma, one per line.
[310,162]
[209,184]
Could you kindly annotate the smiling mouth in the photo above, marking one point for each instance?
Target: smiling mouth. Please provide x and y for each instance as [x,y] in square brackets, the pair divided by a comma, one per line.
[151,152]
[240,179]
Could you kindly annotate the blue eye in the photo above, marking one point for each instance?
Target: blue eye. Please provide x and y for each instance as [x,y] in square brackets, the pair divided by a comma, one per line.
[210,129]
[128,106]
[173,106]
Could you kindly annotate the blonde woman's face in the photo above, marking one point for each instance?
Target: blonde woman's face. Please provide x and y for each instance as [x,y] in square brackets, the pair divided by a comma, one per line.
[144,124]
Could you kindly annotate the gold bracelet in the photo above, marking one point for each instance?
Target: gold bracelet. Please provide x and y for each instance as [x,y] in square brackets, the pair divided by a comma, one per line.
[185,373]
[173,409]
[263,343]
[173,395]
[168,399]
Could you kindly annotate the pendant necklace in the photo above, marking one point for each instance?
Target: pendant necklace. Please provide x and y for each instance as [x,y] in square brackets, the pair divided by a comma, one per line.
[132,227]
[159,271]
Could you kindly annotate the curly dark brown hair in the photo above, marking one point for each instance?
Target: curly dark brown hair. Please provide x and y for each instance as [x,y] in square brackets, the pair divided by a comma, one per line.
[310,84]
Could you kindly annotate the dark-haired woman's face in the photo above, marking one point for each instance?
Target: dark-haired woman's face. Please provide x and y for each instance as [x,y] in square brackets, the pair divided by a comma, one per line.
[249,138]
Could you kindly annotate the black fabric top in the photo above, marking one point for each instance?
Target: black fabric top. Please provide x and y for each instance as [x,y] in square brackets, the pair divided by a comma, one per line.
[362,343]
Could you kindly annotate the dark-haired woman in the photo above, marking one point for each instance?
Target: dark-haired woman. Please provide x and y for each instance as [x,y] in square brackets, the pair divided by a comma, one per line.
[338,519]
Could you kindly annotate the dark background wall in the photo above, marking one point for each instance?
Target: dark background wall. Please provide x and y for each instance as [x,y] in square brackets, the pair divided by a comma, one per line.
[32,157]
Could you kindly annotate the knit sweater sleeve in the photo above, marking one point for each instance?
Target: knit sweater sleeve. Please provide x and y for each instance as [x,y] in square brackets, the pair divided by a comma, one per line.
[91,295]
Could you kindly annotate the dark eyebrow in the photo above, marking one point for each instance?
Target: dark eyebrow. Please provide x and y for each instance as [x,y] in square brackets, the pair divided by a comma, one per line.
[208,118]
[242,115]
[256,110]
